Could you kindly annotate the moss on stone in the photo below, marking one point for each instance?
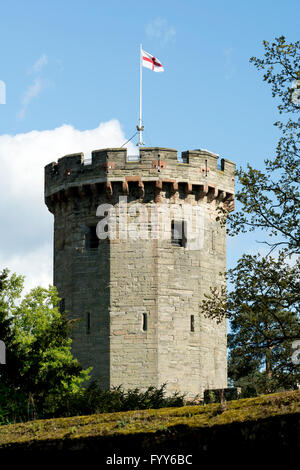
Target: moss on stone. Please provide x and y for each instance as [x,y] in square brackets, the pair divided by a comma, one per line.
[150,421]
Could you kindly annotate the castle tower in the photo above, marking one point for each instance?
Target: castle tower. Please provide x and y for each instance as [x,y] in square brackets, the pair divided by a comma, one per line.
[138,293]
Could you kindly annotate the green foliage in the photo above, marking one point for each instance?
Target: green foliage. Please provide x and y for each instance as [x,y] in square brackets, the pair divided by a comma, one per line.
[94,400]
[156,426]
[263,305]
[270,199]
[41,377]
[40,372]
[282,67]
[263,309]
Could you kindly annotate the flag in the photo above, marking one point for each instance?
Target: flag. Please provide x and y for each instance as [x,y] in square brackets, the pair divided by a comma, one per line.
[151,62]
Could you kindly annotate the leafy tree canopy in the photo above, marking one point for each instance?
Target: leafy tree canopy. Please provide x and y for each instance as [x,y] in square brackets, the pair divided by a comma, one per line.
[263,304]
[40,371]
[270,198]
[263,309]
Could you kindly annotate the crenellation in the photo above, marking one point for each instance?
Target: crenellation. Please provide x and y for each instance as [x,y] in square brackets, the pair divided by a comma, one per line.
[148,154]
[109,158]
[228,167]
[155,164]
[154,159]
[202,159]
[72,161]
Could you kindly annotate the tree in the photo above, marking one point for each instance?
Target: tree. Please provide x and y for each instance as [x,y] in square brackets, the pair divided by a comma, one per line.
[263,309]
[270,199]
[40,371]
[263,305]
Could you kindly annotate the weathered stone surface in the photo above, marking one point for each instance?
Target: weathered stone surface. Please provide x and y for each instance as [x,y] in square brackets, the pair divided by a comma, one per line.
[123,279]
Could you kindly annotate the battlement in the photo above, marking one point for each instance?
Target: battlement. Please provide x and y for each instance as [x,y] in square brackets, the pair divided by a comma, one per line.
[196,170]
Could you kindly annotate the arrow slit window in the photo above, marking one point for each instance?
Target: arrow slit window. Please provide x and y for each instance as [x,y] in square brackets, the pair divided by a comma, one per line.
[192,323]
[91,238]
[88,323]
[145,322]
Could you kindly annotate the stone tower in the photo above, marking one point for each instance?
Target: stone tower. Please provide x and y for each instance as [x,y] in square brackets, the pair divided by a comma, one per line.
[138,296]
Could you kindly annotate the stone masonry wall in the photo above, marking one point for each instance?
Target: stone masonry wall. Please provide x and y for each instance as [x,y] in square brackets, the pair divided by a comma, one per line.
[110,287]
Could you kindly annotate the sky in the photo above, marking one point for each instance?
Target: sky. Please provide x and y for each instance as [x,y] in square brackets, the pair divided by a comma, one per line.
[71,72]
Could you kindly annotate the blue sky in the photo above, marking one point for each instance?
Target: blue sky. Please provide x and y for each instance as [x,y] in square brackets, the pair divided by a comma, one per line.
[76,63]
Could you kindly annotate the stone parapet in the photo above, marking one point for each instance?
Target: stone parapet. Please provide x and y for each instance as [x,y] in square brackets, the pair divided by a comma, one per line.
[197,172]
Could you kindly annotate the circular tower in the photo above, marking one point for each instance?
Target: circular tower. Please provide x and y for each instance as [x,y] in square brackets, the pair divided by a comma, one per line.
[137,288]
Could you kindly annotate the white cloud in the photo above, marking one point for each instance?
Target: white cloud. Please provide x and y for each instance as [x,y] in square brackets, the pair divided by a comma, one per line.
[161,30]
[26,225]
[35,89]
[39,64]
[35,265]
[32,91]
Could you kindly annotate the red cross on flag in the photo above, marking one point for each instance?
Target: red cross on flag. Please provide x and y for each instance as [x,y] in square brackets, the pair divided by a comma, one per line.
[151,62]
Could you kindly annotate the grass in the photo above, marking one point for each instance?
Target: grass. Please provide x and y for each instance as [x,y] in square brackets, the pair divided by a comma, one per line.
[159,420]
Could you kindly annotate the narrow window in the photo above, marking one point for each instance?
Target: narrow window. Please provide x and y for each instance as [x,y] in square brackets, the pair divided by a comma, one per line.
[61,306]
[178,232]
[88,323]
[91,238]
[145,322]
[192,322]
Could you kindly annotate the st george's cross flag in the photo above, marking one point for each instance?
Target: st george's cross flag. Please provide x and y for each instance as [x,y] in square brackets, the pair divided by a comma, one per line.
[151,62]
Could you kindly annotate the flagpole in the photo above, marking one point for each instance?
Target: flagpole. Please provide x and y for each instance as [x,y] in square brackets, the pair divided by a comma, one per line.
[140,127]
